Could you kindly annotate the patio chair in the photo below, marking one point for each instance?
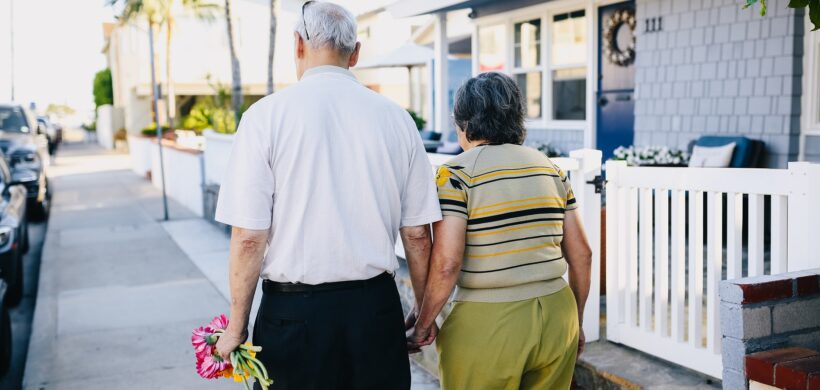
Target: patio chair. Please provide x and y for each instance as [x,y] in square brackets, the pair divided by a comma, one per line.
[748,152]
[450,145]
[431,140]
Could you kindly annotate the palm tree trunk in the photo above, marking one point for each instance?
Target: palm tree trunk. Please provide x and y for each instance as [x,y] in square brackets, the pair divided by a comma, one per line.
[272,45]
[236,77]
[170,103]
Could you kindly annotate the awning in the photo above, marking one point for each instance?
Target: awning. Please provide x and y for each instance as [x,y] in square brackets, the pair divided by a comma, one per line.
[407,8]
[408,55]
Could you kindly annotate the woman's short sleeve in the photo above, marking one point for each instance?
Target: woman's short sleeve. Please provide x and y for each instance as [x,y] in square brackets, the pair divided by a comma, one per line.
[452,192]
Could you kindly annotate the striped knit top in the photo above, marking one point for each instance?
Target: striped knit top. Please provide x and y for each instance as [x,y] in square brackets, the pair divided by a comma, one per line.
[513,198]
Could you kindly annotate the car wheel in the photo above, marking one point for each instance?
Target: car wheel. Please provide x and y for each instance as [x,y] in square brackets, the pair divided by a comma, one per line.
[15,292]
[5,342]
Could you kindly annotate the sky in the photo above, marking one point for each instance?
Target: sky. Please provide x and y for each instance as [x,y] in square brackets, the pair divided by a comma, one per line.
[57,48]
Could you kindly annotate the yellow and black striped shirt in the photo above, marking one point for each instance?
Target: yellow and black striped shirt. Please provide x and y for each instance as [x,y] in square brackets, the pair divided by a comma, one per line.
[514,199]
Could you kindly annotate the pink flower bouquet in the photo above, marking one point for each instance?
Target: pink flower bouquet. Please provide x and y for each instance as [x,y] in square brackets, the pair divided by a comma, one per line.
[243,364]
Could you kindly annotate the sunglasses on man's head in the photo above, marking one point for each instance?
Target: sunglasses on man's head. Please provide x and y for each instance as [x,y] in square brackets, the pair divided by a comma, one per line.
[307,35]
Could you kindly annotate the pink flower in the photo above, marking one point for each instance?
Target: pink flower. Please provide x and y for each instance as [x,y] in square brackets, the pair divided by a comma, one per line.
[211,366]
[203,340]
[220,322]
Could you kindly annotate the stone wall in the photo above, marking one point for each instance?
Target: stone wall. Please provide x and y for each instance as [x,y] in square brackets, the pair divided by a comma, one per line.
[766,313]
[716,68]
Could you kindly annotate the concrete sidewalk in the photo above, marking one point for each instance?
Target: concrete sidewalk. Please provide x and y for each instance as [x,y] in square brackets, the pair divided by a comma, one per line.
[120,291]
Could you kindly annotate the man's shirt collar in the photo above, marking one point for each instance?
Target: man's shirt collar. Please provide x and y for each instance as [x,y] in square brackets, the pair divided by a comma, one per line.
[328,69]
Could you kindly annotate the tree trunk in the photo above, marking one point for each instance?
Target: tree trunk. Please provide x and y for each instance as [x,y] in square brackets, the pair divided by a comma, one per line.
[170,103]
[236,77]
[272,45]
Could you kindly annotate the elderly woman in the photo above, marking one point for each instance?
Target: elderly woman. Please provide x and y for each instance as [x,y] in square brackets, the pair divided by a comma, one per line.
[509,233]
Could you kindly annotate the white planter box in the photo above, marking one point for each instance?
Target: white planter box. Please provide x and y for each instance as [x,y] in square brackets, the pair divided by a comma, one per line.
[183,175]
[217,151]
[139,148]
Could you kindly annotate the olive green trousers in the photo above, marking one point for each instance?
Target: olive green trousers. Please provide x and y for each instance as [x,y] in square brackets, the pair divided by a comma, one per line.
[530,344]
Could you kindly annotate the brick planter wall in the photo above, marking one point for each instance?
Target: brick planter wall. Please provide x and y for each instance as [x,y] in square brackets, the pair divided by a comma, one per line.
[767,313]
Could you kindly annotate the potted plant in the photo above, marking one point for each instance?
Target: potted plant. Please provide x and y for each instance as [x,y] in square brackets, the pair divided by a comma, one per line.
[651,156]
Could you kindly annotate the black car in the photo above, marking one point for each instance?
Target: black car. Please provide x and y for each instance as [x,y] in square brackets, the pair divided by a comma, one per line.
[26,151]
[5,332]
[13,230]
[52,131]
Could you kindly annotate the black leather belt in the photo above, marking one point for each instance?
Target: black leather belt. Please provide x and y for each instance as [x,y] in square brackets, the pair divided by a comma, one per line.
[271,286]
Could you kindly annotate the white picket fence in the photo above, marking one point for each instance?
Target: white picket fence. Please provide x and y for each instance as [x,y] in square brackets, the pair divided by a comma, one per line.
[658,220]
[583,166]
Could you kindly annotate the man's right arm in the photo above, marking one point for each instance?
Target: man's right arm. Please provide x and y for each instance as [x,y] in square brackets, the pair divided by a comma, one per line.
[418,243]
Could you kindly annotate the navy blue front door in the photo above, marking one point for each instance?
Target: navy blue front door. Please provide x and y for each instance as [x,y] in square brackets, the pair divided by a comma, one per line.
[616,78]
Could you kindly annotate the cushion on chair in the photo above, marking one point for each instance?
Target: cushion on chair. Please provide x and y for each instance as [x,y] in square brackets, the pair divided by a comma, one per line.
[747,152]
[712,156]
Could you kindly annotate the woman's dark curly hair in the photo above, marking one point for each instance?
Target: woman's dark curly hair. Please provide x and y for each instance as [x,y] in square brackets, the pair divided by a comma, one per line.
[489,107]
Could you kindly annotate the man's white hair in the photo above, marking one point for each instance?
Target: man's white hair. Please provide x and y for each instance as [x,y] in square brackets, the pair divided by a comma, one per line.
[328,26]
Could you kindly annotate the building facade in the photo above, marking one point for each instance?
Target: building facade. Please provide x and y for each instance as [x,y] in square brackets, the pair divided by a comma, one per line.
[601,73]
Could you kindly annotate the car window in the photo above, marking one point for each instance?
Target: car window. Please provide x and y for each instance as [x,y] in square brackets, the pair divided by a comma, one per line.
[12,119]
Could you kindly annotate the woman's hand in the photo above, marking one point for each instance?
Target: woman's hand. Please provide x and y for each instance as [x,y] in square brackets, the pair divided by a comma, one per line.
[418,337]
[229,341]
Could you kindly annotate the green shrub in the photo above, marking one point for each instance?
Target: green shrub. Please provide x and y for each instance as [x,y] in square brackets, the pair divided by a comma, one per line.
[151,130]
[103,88]
[420,122]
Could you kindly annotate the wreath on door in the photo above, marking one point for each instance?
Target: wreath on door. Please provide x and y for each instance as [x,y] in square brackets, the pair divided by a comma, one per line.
[617,55]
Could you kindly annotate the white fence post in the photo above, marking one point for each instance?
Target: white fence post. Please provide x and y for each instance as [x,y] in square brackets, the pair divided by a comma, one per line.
[613,249]
[803,215]
[589,205]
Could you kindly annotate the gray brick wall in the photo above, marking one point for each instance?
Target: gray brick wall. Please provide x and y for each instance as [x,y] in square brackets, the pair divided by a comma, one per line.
[766,313]
[719,69]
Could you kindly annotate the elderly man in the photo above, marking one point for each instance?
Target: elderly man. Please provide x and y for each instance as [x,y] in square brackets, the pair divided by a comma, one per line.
[322,177]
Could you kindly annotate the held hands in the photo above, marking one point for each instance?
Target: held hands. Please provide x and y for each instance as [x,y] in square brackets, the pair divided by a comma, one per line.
[417,335]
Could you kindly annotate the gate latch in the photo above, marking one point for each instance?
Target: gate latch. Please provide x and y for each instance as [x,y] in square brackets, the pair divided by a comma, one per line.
[598,182]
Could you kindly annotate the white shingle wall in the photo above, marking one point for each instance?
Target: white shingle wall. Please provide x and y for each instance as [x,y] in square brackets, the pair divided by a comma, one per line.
[719,69]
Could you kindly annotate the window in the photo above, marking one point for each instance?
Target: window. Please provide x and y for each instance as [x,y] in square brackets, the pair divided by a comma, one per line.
[527,44]
[527,59]
[568,66]
[547,56]
[530,85]
[491,48]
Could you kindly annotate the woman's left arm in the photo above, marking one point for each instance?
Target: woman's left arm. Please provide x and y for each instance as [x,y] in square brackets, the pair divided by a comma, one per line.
[445,266]
[579,257]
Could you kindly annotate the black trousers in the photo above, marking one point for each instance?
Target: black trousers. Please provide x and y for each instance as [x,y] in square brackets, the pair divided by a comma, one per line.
[340,339]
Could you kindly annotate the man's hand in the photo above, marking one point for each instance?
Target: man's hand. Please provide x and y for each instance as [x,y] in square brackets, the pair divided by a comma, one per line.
[418,337]
[582,340]
[228,343]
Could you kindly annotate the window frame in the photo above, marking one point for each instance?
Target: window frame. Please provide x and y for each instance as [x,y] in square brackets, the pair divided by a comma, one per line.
[810,113]
[544,13]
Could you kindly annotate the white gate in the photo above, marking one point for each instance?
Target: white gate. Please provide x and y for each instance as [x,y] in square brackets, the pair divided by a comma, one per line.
[665,230]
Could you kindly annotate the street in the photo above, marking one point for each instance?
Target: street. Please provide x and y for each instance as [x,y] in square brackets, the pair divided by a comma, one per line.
[21,315]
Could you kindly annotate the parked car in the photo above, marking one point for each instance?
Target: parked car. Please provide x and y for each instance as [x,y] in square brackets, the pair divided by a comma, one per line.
[5,332]
[26,151]
[52,131]
[14,239]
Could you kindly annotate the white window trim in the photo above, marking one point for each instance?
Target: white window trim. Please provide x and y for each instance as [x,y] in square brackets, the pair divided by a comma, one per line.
[545,12]
[810,114]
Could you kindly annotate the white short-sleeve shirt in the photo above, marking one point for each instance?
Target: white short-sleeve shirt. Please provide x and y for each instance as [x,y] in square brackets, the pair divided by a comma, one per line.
[334,170]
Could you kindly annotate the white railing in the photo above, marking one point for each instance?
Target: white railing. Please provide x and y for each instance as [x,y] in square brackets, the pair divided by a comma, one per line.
[658,219]
[582,166]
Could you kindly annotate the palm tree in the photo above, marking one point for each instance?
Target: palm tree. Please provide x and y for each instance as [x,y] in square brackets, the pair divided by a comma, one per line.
[158,13]
[272,45]
[236,77]
[151,11]
[200,9]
